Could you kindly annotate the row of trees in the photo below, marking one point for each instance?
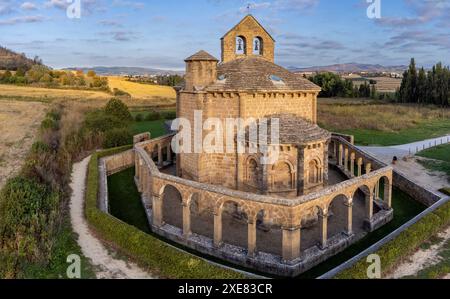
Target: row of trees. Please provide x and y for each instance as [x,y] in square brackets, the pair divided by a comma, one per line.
[334,86]
[432,87]
[41,75]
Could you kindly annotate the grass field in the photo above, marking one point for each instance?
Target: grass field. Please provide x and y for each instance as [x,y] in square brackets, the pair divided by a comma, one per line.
[375,123]
[19,122]
[440,156]
[143,91]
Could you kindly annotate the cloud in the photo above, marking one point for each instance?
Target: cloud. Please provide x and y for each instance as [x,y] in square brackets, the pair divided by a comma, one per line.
[28,6]
[133,4]
[424,11]
[61,4]
[22,19]
[122,36]
[111,23]
[277,5]
[6,7]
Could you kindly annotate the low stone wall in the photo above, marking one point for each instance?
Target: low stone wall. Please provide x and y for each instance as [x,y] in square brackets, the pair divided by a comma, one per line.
[119,162]
[419,193]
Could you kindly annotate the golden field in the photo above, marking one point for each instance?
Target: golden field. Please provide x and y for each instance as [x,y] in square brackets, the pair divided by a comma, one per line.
[142,91]
[19,123]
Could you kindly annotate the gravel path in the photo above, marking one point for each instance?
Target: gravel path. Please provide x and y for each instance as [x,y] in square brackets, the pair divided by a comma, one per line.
[107,266]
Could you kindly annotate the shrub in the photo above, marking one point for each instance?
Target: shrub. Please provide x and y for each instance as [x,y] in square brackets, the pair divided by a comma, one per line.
[139,117]
[169,115]
[99,121]
[49,124]
[117,137]
[28,213]
[152,116]
[118,109]
[120,93]
[39,148]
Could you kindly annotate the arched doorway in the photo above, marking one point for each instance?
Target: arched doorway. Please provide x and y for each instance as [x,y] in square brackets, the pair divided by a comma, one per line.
[338,216]
[202,217]
[172,208]
[234,225]
[361,198]
[268,235]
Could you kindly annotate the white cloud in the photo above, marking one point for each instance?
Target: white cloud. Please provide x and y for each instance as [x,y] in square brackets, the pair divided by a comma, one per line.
[28,6]
[23,19]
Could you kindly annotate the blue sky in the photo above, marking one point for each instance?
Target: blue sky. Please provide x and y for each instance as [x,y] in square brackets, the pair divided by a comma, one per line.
[161,33]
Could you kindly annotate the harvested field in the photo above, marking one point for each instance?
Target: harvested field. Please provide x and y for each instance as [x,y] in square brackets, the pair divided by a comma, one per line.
[143,91]
[19,122]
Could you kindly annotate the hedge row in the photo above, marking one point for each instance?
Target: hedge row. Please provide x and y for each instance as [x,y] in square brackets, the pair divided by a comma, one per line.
[144,248]
[393,252]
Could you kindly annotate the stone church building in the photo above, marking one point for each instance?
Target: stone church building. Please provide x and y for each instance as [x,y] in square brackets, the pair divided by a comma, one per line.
[320,195]
[248,84]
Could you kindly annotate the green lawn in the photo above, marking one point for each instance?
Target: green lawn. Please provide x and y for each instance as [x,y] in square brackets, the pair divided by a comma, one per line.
[422,131]
[441,152]
[125,204]
[156,128]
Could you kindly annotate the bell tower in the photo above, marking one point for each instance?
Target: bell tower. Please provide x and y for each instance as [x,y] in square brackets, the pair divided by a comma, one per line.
[248,39]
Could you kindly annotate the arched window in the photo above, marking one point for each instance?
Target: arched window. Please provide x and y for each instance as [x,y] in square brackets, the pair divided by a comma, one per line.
[258,46]
[241,45]
[282,177]
[314,172]
[252,172]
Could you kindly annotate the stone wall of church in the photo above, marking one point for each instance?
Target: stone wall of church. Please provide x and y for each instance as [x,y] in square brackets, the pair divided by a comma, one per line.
[264,104]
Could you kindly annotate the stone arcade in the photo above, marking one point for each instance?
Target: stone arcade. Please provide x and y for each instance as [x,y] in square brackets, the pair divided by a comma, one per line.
[321,195]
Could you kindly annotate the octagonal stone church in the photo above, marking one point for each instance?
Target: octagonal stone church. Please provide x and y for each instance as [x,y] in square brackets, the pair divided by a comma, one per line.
[321,194]
[247,84]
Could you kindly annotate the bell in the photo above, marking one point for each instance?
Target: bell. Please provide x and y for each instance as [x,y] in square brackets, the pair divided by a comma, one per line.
[239,45]
[256,46]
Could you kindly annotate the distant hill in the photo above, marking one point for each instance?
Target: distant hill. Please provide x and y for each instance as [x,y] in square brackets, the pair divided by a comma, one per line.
[120,70]
[351,68]
[10,60]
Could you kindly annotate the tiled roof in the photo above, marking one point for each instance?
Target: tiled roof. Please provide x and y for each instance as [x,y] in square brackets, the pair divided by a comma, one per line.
[201,56]
[295,130]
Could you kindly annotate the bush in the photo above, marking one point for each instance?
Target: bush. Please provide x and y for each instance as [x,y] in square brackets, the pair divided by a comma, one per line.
[40,148]
[120,93]
[169,115]
[139,117]
[49,124]
[152,116]
[117,137]
[117,108]
[28,213]
[99,121]
[148,250]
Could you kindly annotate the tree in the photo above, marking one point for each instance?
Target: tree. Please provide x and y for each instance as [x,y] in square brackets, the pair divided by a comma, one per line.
[91,74]
[118,109]
[422,87]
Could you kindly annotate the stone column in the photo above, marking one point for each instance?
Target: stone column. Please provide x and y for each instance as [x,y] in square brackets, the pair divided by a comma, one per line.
[157,211]
[341,152]
[325,176]
[251,238]
[136,166]
[377,190]
[387,194]
[334,150]
[186,221]
[360,163]
[352,164]
[301,179]
[218,229]
[368,168]
[349,228]
[291,243]
[346,159]
[160,156]
[323,224]
[169,153]
[369,206]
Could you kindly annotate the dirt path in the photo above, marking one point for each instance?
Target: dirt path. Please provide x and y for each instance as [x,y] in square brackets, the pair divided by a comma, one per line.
[107,266]
[422,258]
